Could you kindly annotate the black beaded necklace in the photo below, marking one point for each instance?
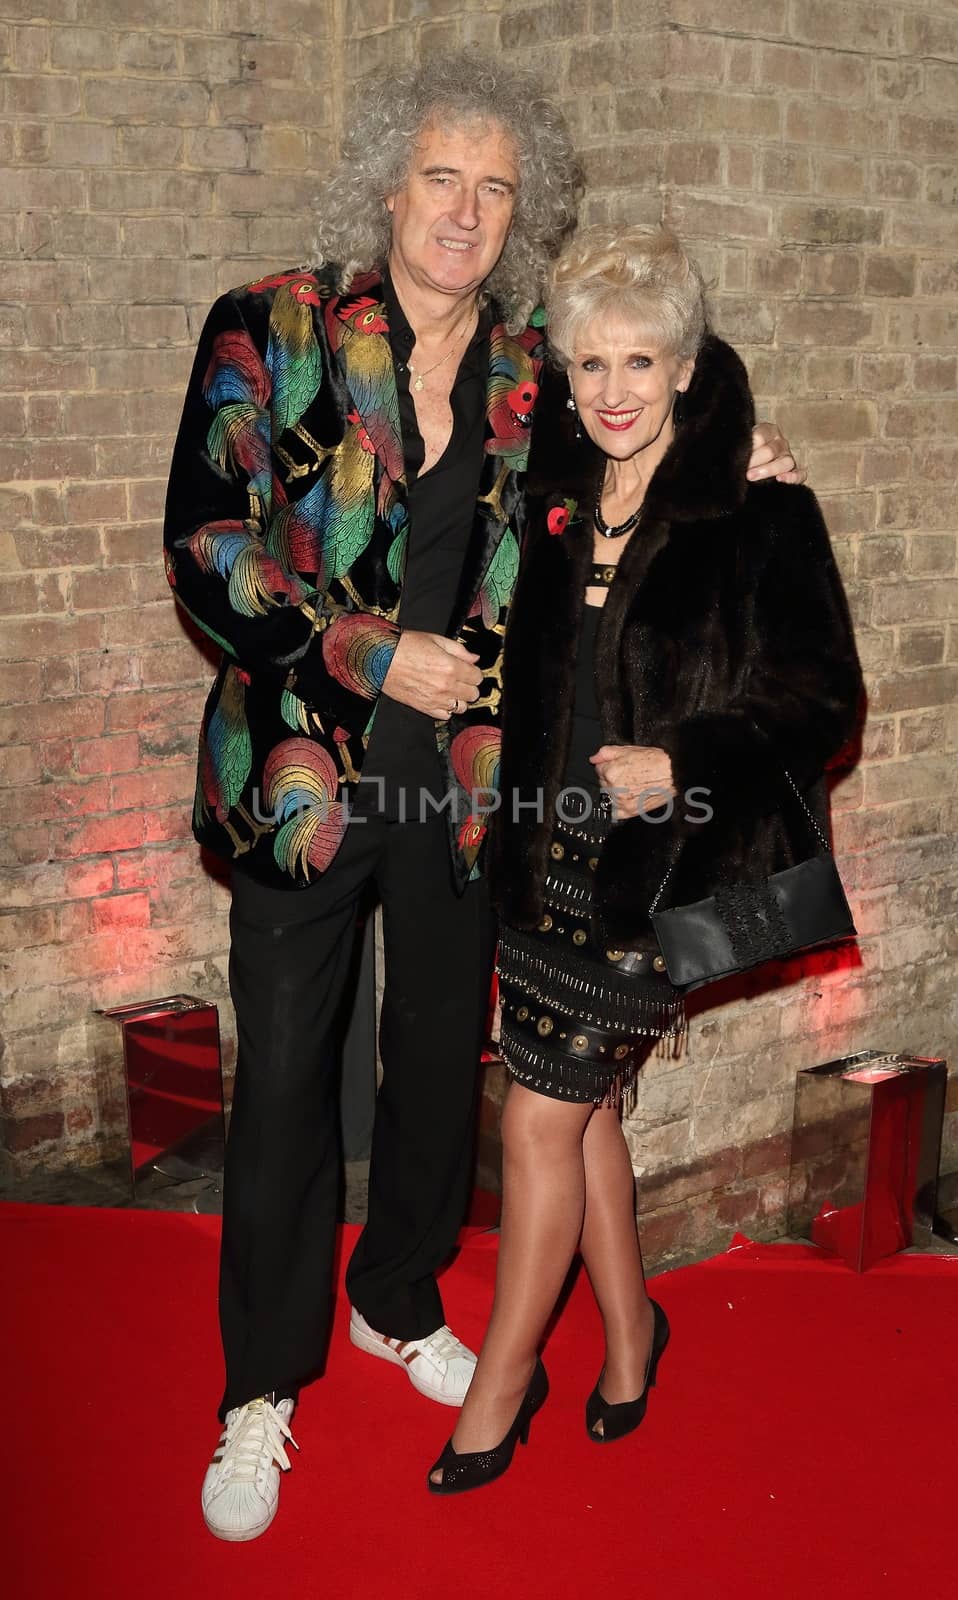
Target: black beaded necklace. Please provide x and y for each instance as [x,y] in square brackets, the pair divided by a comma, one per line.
[606,530]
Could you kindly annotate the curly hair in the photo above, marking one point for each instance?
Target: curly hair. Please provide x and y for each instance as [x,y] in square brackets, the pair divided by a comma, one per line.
[353,226]
[642,273]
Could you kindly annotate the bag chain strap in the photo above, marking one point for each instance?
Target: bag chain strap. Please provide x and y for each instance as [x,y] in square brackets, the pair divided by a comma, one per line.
[661,889]
[804,805]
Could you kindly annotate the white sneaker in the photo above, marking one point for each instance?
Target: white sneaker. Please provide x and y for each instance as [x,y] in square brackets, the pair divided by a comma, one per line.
[241,1487]
[439,1366]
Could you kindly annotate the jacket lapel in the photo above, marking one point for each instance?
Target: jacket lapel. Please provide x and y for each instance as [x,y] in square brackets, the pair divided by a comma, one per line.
[357,328]
[511,390]
[618,694]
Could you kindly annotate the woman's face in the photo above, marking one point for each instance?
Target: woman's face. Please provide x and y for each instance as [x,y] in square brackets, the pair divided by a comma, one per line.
[623,386]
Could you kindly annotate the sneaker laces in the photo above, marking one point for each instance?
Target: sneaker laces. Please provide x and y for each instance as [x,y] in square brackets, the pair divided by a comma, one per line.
[443,1344]
[254,1439]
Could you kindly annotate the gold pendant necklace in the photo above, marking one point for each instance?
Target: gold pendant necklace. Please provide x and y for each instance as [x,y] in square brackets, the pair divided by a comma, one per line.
[419,384]
[420,376]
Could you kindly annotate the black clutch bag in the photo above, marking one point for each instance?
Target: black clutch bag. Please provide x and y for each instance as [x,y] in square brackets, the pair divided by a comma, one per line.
[746,924]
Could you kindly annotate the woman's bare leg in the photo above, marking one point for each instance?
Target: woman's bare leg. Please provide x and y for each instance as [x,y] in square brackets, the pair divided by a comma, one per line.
[613,1258]
[543,1200]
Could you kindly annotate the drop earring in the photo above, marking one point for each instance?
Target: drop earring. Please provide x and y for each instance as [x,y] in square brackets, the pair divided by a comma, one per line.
[571,406]
[678,409]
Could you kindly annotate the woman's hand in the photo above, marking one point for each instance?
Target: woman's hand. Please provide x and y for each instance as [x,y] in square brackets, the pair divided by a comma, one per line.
[638,777]
[771,457]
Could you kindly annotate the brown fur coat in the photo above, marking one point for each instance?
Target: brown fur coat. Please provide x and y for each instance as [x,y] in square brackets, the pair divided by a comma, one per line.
[725,640]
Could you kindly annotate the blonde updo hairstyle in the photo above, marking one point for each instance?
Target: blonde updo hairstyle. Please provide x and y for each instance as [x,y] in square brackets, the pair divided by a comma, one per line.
[640,276]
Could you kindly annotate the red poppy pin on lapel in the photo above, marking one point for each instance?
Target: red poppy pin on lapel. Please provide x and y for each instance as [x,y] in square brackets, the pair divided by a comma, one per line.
[558,518]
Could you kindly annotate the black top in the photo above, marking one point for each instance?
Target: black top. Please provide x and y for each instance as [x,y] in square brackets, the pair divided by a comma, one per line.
[586,723]
[442,507]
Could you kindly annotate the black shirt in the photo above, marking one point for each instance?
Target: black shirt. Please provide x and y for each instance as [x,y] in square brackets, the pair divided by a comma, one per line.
[442,507]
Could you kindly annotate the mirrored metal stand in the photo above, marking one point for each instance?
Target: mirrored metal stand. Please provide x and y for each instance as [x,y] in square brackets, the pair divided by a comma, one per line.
[865,1153]
[174,1093]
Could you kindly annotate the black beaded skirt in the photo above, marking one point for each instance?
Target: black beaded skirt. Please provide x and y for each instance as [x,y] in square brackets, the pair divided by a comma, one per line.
[577,1020]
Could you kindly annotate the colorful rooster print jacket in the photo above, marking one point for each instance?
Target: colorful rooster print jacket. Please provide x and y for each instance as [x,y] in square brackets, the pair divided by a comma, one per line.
[285,540]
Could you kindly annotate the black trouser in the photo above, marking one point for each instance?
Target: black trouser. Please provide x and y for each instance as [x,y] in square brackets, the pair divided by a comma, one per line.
[288,965]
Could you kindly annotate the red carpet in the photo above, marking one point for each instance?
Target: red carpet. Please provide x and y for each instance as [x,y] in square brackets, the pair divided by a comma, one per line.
[800,1442]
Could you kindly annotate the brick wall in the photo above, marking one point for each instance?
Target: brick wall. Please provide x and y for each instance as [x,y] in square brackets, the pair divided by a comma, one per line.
[805,150]
[146,169]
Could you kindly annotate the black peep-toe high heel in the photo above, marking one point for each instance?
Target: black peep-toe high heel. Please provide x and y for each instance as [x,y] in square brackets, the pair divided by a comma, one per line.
[472,1470]
[618,1420]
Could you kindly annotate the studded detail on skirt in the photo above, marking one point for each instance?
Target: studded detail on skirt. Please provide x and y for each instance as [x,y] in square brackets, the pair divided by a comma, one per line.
[577,1020]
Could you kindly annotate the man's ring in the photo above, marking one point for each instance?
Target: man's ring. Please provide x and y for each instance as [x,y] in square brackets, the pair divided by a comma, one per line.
[455,704]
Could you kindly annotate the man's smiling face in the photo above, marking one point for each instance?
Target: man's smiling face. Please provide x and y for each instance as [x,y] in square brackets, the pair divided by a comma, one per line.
[451,218]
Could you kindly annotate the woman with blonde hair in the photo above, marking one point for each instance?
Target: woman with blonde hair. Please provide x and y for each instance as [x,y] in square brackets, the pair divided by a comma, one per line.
[678,635]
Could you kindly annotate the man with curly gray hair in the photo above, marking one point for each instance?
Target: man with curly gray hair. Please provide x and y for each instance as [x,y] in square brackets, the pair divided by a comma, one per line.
[343,520]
